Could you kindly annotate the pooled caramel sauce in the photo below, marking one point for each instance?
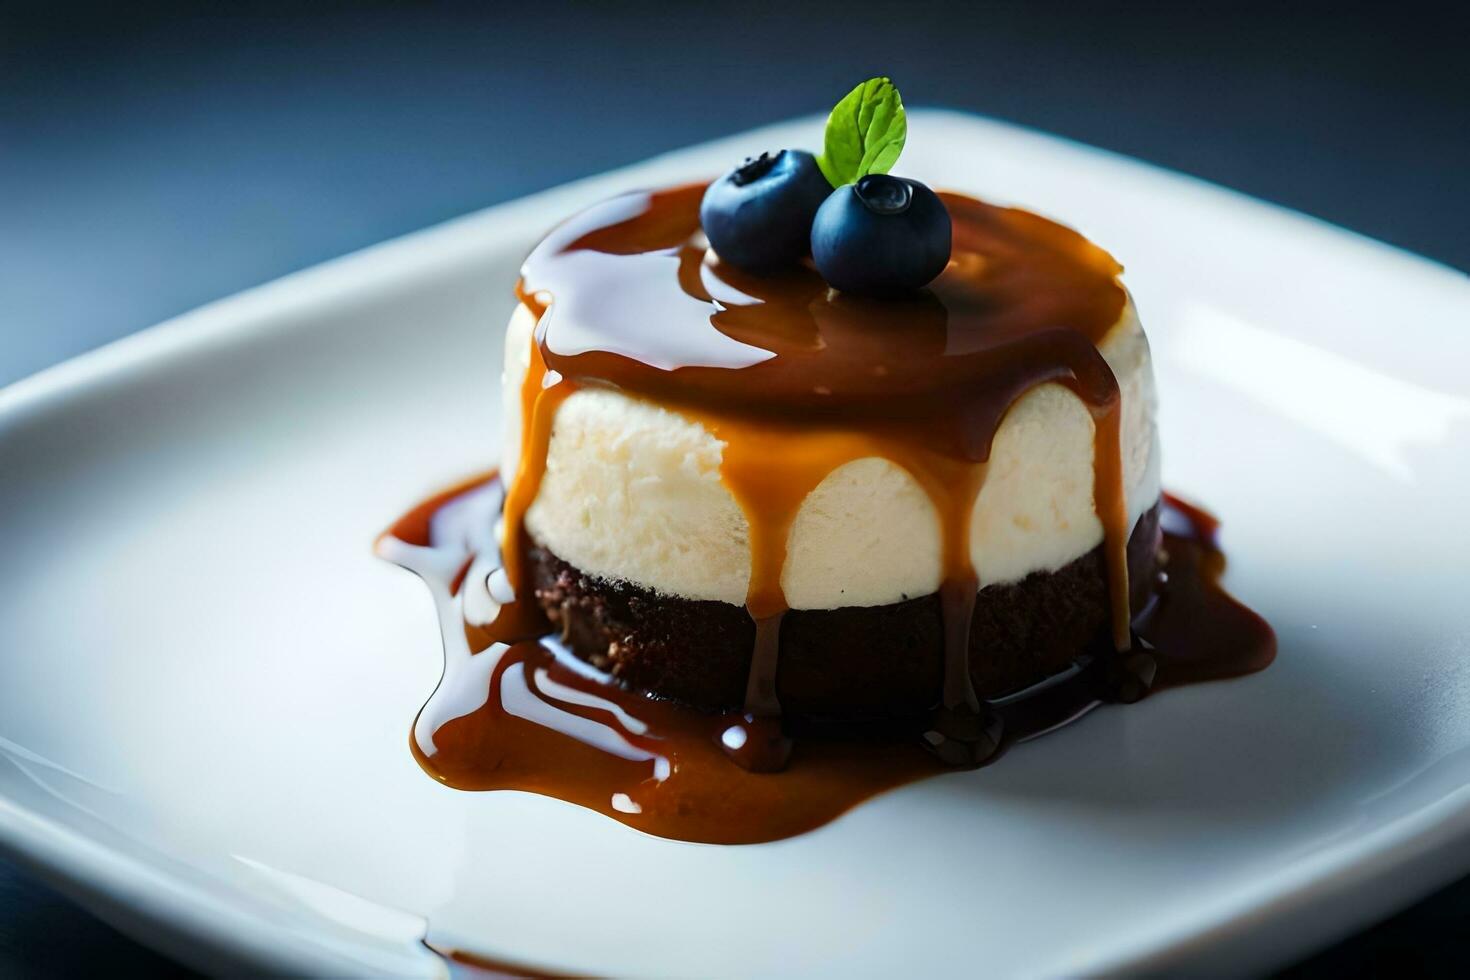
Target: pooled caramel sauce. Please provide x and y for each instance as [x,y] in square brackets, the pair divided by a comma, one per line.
[527,715]
[797,380]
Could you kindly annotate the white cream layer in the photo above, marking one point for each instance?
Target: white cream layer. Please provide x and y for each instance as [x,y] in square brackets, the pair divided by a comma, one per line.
[632,493]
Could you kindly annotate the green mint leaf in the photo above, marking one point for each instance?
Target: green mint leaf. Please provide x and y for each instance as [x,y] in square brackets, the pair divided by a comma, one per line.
[865,133]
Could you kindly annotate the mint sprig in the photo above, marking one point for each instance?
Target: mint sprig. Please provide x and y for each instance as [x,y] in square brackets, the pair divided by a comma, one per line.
[865,133]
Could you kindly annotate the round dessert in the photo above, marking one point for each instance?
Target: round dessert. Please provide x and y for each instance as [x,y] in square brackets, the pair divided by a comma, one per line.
[809,451]
[756,492]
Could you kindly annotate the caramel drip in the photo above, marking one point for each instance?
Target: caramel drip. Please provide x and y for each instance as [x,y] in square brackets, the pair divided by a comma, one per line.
[953,487]
[798,380]
[1112,510]
[465,965]
[542,393]
[770,471]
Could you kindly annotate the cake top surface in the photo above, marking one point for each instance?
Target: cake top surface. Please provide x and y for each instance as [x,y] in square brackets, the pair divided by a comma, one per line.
[629,296]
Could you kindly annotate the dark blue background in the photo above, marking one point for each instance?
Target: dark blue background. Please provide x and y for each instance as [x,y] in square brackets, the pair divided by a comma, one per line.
[154,157]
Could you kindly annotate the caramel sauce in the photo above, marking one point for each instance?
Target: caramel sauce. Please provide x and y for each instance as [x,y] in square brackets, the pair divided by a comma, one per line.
[465,965]
[530,716]
[797,379]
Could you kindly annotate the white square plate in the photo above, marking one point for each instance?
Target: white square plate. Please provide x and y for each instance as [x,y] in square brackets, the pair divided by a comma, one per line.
[207,680]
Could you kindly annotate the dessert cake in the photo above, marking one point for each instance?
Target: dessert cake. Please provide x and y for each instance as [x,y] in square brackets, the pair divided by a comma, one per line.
[808,451]
[733,474]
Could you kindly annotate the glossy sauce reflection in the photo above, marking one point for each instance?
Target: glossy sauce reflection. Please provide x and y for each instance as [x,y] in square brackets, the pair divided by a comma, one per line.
[529,716]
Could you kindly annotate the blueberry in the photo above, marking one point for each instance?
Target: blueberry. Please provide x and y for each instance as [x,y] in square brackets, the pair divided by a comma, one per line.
[759,215]
[882,236]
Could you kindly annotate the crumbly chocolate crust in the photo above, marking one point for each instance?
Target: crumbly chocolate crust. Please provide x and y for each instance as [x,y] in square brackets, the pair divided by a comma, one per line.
[852,663]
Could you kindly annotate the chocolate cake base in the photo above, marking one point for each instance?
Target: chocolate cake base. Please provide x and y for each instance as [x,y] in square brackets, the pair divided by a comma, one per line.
[854,663]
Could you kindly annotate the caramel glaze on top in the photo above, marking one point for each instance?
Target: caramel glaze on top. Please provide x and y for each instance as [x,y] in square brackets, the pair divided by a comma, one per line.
[797,379]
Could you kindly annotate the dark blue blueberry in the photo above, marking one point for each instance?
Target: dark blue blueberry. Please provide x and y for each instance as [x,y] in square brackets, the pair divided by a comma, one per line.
[882,236]
[759,215]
